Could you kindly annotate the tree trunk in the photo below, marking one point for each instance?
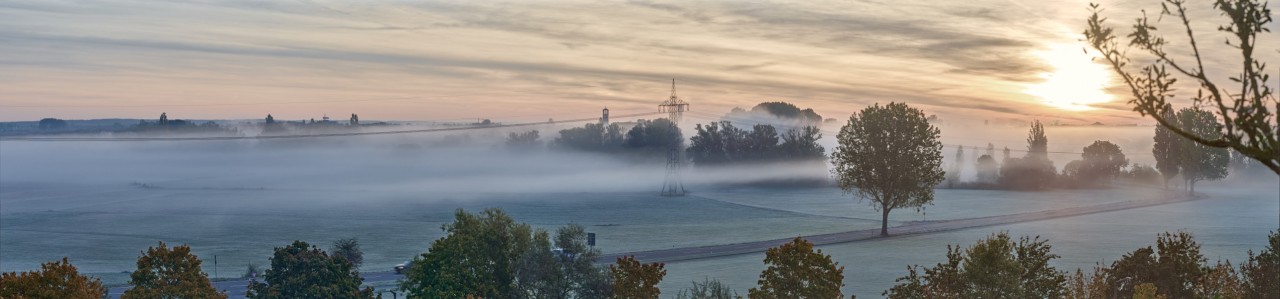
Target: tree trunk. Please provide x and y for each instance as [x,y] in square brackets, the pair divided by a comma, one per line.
[884,223]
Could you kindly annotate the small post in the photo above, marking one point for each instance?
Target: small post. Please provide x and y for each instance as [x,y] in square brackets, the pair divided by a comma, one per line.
[215,266]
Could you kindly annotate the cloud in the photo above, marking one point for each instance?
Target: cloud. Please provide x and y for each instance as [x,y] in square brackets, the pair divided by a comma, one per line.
[557,54]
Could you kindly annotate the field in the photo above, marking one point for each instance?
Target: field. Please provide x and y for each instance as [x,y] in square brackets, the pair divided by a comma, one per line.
[102,209]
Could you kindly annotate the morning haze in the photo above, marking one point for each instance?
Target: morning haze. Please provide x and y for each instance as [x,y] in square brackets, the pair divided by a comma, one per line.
[638,149]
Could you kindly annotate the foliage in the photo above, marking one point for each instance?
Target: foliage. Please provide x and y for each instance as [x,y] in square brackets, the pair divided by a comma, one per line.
[1174,267]
[523,140]
[797,271]
[567,272]
[891,155]
[58,279]
[170,273]
[707,289]
[1261,273]
[719,143]
[1198,161]
[591,138]
[1103,160]
[1143,174]
[490,255]
[1168,150]
[478,257]
[1242,105]
[988,169]
[52,124]
[953,175]
[349,249]
[301,270]
[647,136]
[788,111]
[995,267]
[633,280]
[659,134]
[1034,171]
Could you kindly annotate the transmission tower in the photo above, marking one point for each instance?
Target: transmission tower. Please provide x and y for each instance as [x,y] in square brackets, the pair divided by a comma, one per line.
[675,108]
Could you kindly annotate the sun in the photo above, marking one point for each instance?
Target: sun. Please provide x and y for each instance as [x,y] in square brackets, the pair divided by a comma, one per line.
[1074,81]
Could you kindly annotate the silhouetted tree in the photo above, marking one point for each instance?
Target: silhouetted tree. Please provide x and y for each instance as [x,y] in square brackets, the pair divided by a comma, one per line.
[1199,161]
[1168,149]
[1261,273]
[170,273]
[953,176]
[797,271]
[348,249]
[1243,104]
[891,155]
[52,124]
[1102,160]
[301,270]
[524,140]
[1033,171]
[659,134]
[631,279]
[57,279]
[802,144]
[988,169]
[1174,267]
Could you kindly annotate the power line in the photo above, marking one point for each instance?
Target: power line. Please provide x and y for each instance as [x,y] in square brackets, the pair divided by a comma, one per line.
[261,137]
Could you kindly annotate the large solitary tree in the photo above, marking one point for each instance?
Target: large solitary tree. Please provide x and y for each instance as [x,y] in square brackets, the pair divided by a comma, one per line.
[890,155]
[1243,100]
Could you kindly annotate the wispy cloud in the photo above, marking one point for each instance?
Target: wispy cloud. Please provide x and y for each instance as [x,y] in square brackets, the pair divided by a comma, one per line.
[970,59]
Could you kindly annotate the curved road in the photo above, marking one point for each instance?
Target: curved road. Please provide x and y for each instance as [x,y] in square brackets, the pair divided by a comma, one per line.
[238,287]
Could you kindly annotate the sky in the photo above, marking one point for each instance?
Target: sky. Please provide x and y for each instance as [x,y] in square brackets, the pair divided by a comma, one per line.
[533,60]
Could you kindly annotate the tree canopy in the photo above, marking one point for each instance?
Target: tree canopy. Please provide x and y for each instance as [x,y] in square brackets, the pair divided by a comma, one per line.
[301,270]
[58,279]
[170,273]
[994,267]
[720,143]
[635,280]
[890,155]
[795,270]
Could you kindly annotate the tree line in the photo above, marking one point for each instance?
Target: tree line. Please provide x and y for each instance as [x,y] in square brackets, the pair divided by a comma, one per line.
[490,255]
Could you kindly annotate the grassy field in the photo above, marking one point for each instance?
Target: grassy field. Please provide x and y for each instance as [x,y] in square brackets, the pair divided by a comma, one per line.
[101,205]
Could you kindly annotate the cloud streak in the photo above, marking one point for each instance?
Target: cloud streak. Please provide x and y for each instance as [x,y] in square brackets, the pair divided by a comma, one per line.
[972,59]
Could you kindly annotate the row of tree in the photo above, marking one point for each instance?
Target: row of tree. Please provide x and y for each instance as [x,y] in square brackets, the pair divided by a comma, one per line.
[720,143]
[490,255]
[1000,267]
[1103,162]
[646,135]
[299,270]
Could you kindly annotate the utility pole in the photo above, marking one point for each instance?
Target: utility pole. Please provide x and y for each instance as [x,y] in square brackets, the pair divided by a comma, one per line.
[675,108]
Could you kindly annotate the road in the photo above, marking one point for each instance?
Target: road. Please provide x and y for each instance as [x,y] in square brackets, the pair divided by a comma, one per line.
[238,287]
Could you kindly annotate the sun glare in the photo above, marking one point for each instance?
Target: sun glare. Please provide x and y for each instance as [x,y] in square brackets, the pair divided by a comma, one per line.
[1074,82]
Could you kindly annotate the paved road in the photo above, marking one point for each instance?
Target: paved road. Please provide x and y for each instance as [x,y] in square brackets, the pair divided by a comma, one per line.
[692,253]
[237,287]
